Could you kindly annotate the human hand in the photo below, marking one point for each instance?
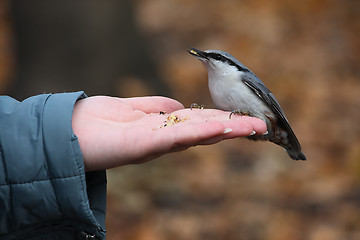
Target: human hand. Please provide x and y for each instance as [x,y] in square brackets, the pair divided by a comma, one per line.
[118,131]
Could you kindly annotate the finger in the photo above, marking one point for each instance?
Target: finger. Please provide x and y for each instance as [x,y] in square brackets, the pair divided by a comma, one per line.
[259,126]
[205,115]
[187,135]
[154,104]
[235,130]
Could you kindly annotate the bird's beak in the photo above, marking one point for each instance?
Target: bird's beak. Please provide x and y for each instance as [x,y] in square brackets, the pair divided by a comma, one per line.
[197,53]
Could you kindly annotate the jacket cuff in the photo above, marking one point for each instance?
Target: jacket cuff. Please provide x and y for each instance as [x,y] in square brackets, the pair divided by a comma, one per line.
[78,194]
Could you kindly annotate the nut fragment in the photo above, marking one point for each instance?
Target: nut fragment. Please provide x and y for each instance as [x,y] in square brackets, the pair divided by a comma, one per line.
[173,119]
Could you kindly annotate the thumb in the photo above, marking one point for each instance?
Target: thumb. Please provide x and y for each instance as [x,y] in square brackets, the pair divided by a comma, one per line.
[154,104]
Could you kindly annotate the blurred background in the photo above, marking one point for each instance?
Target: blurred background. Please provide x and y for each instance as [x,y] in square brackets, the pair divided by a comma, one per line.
[306,52]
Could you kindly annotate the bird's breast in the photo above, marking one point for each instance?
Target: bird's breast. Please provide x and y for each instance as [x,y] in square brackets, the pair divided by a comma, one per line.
[229,93]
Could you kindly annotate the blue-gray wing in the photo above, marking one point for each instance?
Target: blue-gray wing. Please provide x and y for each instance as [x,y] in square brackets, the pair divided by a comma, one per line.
[266,95]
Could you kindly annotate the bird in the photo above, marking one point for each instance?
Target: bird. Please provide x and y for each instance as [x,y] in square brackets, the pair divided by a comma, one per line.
[234,87]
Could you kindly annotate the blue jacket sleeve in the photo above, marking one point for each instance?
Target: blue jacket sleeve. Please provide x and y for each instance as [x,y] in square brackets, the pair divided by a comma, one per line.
[43,185]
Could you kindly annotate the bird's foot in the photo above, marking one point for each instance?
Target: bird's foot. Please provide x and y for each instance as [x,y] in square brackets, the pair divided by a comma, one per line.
[240,112]
[195,105]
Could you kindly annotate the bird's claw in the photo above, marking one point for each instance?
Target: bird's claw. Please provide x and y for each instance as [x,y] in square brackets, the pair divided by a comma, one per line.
[241,113]
[195,105]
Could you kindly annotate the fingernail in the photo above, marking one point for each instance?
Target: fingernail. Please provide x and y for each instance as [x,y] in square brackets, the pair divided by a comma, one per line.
[253,133]
[265,133]
[227,130]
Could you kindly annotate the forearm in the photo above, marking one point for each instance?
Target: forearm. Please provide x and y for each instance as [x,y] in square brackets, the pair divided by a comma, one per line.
[42,164]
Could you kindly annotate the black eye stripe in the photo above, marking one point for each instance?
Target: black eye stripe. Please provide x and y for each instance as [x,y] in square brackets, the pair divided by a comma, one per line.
[224,59]
[217,56]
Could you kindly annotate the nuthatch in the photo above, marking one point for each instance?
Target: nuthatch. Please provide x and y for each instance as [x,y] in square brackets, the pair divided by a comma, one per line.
[233,87]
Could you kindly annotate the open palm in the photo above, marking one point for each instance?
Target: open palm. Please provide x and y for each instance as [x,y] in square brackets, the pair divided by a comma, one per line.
[118,131]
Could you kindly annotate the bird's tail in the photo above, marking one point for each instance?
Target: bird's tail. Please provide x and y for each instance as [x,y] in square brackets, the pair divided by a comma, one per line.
[283,136]
[295,154]
[292,147]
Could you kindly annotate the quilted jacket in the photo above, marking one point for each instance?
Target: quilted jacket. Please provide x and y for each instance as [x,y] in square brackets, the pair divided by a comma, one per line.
[44,190]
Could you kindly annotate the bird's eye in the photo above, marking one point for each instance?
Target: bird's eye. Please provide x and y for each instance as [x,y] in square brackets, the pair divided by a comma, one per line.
[218,57]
